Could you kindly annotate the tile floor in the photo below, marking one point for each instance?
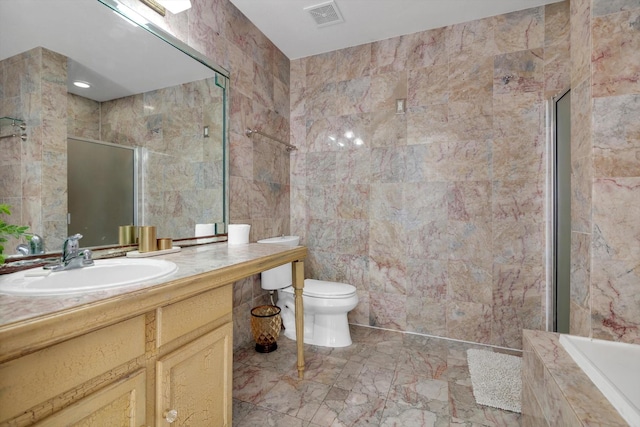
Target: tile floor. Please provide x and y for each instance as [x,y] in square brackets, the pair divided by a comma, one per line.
[384,379]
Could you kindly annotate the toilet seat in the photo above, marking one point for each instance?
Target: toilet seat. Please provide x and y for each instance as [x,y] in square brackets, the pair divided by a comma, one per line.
[323,289]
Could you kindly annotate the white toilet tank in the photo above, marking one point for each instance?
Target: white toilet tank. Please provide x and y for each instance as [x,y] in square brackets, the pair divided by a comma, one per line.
[278,277]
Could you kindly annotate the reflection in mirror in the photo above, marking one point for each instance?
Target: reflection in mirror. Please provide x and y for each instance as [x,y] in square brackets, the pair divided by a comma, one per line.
[101,183]
[149,92]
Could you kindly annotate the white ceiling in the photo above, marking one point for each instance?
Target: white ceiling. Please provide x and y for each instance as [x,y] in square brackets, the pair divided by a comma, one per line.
[295,33]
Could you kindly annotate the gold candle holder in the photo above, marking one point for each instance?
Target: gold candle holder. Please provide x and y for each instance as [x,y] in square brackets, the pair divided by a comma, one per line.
[147,241]
[165,243]
[126,235]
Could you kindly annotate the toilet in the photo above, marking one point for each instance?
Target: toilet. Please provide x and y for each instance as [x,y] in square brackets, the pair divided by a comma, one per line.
[326,304]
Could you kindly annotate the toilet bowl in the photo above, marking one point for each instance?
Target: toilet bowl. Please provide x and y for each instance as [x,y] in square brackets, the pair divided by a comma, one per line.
[326,304]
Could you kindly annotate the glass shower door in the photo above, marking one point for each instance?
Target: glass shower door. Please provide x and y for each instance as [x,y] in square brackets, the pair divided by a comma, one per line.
[101,185]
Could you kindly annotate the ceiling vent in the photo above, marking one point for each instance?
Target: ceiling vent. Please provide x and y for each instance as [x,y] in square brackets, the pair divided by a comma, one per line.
[326,13]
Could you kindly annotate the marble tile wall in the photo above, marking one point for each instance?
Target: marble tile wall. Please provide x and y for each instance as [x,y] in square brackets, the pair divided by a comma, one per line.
[581,168]
[83,117]
[615,159]
[605,170]
[435,215]
[34,171]
[182,170]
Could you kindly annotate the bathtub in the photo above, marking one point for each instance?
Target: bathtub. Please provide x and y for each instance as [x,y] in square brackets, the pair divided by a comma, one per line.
[614,368]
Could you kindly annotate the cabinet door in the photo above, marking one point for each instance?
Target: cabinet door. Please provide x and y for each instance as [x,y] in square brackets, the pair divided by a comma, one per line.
[34,379]
[194,382]
[120,404]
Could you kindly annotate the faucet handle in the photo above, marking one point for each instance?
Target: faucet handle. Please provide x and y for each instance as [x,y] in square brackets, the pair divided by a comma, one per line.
[72,240]
[87,257]
[22,249]
[70,246]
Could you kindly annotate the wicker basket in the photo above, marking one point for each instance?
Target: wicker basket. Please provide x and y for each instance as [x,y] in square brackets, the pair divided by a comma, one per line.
[265,327]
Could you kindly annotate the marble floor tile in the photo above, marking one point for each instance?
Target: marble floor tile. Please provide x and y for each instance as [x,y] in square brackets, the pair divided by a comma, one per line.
[420,392]
[300,399]
[264,417]
[333,405]
[373,380]
[385,378]
[349,375]
[251,383]
[322,369]
[402,415]
[420,361]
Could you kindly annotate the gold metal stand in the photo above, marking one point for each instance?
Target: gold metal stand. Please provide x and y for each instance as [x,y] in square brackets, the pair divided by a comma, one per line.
[298,284]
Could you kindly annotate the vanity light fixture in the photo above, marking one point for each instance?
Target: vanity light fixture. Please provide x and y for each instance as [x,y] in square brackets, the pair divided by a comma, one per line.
[81,84]
[175,6]
[155,6]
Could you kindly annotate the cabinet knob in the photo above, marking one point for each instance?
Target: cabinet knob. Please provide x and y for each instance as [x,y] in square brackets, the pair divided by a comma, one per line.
[171,415]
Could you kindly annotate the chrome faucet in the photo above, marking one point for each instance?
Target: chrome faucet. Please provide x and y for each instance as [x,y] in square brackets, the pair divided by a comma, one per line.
[35,246]
[72,257]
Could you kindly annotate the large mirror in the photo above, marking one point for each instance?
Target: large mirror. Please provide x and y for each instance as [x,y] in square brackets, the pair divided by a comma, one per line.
[149,93]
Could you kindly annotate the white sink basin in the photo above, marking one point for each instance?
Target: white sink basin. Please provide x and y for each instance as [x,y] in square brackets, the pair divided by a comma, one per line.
[105,274]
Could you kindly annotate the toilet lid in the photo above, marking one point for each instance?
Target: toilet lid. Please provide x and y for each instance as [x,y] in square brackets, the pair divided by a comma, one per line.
[323,289]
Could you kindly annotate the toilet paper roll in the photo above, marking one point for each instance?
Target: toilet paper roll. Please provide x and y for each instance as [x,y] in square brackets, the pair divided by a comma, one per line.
[205,230]
[238,234]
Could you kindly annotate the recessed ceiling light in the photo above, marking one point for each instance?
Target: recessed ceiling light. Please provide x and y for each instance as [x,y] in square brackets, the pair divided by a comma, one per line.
[81,84]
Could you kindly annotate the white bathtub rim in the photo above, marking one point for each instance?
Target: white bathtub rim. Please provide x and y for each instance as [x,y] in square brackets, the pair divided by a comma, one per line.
[628,410]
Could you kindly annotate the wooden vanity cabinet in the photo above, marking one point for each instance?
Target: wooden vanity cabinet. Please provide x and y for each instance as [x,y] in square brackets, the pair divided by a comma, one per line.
[138,358]
[193,382]
[176,357]
[194,379]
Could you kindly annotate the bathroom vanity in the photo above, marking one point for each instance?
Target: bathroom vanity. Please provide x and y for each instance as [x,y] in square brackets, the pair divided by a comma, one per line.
[148,354]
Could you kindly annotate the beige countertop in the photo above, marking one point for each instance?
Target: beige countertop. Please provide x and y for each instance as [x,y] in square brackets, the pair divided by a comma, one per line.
[27,323]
